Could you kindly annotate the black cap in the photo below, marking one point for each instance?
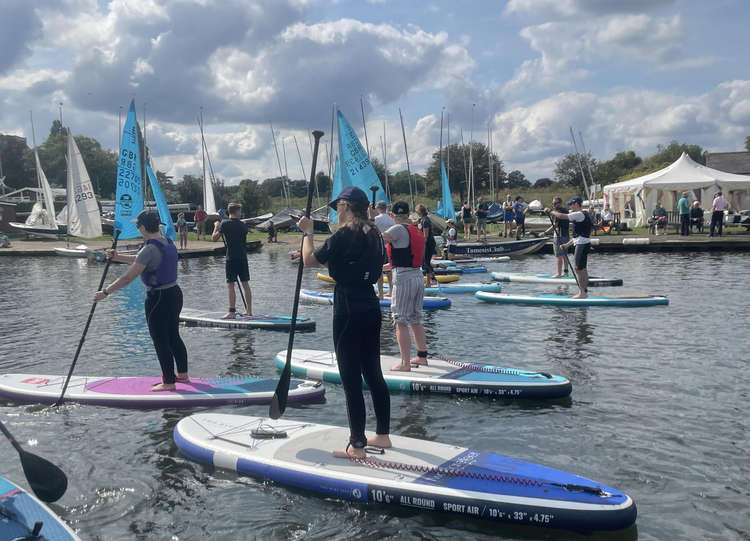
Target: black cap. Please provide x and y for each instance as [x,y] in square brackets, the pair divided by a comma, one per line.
[400,207]
[575,199]
[381,205]
[149,220]
[351,194]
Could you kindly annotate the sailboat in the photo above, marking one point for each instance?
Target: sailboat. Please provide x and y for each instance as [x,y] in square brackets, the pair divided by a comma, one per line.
[41,222]
[209,203]
[356,168]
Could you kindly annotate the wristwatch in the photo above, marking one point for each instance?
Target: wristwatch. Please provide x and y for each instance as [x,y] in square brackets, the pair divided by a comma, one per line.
[308,234]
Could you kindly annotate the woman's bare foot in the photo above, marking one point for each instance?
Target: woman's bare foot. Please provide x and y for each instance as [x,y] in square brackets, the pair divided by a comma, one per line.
[350,452]
[556,276]
[401,367]
[246,314]
[163,387]
[229,315]
[182,378]
[380,440]
[579,296]
[418,361]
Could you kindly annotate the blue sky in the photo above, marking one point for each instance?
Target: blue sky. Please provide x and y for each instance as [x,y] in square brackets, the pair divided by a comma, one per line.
[628,75]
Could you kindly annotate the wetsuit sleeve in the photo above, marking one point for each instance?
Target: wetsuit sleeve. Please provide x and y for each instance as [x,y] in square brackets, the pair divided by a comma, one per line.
[323,254]
[149,257]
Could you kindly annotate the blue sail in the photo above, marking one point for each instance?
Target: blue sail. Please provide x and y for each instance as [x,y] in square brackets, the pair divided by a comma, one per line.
[447,211]
[356,168]
[161,205]
[129,196]
[337,187]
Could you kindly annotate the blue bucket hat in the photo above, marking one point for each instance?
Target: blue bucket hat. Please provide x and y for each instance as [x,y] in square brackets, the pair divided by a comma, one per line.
[351,194]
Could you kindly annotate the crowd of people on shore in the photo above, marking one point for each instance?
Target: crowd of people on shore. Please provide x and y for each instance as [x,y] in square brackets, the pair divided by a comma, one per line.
[691,215]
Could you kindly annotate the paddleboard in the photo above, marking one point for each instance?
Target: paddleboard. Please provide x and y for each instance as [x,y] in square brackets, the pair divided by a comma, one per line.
[459,270]
[416,474]
[440,376]
[462,288]
[563,300]
[20,510]
[199,318]
[470,261]
[326,297]
[136,392]
[530,278]
[443,279]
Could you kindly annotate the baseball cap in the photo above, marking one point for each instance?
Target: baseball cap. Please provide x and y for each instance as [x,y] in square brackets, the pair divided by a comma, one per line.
[381,205]
[351,194]
[149,220]
[400,207]
[575,199]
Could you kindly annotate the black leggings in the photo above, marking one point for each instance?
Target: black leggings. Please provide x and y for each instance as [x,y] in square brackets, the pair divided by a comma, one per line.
[163,307]
[356,339]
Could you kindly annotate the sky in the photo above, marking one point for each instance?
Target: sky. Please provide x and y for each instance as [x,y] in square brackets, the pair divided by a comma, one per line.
[625,74]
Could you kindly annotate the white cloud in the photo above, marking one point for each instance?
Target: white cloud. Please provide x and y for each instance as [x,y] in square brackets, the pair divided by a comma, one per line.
[578,8]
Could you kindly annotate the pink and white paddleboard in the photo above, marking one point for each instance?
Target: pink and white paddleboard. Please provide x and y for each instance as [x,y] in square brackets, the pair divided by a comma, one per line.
[135,392]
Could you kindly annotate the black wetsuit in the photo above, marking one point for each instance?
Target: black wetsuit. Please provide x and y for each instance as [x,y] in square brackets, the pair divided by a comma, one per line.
[355,261]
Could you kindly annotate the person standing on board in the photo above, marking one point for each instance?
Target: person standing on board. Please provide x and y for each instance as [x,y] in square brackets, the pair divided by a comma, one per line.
[354,256]
[683,207]
[508,216]
[561,235]
[466,219]
[425,226]
[382,221]
[200,221]
[235,233]
[156,264]
[582,226]
[406,254]
[717,215]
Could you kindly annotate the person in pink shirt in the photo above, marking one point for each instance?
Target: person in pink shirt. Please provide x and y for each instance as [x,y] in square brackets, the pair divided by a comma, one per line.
[717,215]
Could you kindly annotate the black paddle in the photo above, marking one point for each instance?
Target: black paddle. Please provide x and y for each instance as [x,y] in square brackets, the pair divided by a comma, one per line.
[557,231]
[374,190]
[278,402]
[88,322]
[46,480]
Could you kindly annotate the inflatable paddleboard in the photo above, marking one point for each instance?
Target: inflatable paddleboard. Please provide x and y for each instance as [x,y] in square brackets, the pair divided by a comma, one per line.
[326,297]
[562,300]
[440,376]
[199,318]
[443,279]
[470,261]
[20,511]
[460,270]
[462,288]
[417,474]
[136,392]
[530,278]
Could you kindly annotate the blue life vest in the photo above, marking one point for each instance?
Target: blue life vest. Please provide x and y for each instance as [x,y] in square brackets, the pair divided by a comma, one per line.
[166,272]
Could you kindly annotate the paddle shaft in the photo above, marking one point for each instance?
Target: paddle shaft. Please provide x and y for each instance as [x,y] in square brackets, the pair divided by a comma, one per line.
[88,322]
[278,402]
[11,438]
[237,278]
[557,232]
[374,190]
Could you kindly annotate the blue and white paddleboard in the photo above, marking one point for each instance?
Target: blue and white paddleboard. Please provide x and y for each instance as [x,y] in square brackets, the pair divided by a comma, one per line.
[468,287]
[563,300]
[20,510]
[460,270]
[326,297]
[530,278]
[199,318]
[416,474]
[440,376]
[470,261]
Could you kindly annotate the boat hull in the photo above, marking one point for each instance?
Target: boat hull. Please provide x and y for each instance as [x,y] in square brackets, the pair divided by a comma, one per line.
[512,248]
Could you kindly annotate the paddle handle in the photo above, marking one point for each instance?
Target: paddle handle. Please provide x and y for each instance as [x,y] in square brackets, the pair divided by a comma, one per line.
[88,322]
[278,402]
[11,438]
[374,190]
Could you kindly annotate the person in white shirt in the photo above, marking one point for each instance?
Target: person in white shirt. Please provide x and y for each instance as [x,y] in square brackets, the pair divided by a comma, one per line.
[582,226]
[717,215]
[451,236]
[607,217]
[383,222]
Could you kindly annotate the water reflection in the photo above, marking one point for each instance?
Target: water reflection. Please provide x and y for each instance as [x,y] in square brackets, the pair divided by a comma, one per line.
[567,344]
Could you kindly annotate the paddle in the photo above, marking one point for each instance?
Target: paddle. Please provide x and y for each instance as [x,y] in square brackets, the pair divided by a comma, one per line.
[46,480]
[278,402]
[374,190]
[557,231]
[88,322]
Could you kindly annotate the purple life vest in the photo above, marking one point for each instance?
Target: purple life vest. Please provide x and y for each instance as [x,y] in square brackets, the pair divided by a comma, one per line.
[166,272]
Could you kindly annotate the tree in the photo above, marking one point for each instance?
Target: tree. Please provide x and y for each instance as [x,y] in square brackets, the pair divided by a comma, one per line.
[612,170]
[57,129]
[543,182]
[516,179]
[223,194]
[190,190]
[568,173]
[253,197]
[459,170]
[747,143]
[666,155]
[18,162]
[324,184]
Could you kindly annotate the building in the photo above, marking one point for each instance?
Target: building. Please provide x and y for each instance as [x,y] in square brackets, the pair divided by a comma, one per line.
[731,162]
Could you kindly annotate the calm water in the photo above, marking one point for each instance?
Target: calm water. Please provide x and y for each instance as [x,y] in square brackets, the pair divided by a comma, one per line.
[658,410]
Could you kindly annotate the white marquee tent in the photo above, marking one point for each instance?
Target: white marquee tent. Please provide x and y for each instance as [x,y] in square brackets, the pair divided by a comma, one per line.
[667,185]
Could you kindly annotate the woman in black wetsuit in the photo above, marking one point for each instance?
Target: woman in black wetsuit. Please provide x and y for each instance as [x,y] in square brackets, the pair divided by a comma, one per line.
[355,255]
[156,264]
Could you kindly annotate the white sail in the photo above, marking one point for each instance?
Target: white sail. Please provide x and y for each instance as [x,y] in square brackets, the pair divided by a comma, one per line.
[83,211]
[208,196]
[43,212]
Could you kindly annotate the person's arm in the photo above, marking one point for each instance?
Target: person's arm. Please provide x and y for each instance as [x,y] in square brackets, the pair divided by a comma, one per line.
[119,258]
[217,231]
[133,272]
[306,225]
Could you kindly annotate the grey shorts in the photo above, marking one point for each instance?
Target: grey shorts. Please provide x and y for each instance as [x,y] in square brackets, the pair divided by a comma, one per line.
[559,252]
[407,296]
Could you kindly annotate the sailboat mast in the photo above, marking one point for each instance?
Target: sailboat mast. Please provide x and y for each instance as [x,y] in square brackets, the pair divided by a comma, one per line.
[466,169]
[489,163]
[364,124]
[33,142]
[278,160]
[448,151]
[203,157]
[588,165]
[330,156]
[384,142]
[471,159]
[580,165]
[406,151]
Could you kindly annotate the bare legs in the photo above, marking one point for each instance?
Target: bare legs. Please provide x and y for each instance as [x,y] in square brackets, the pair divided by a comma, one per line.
[233,300]
[404,345]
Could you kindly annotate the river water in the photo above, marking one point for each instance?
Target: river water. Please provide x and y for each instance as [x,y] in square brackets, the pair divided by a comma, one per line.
[659,408]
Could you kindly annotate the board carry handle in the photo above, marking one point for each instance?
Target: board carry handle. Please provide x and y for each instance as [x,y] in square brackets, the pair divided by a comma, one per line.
[88,322]
[278,402]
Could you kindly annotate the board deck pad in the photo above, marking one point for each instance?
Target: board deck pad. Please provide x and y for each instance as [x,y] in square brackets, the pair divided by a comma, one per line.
[530,278]
[564,300]
[326,298]
[417,474]
[19,510]
[200,318]
[463,287]
[440,376]
[136,392]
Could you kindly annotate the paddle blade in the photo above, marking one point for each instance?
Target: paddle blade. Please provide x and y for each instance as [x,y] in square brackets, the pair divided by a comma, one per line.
[47,481]
[278,402]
